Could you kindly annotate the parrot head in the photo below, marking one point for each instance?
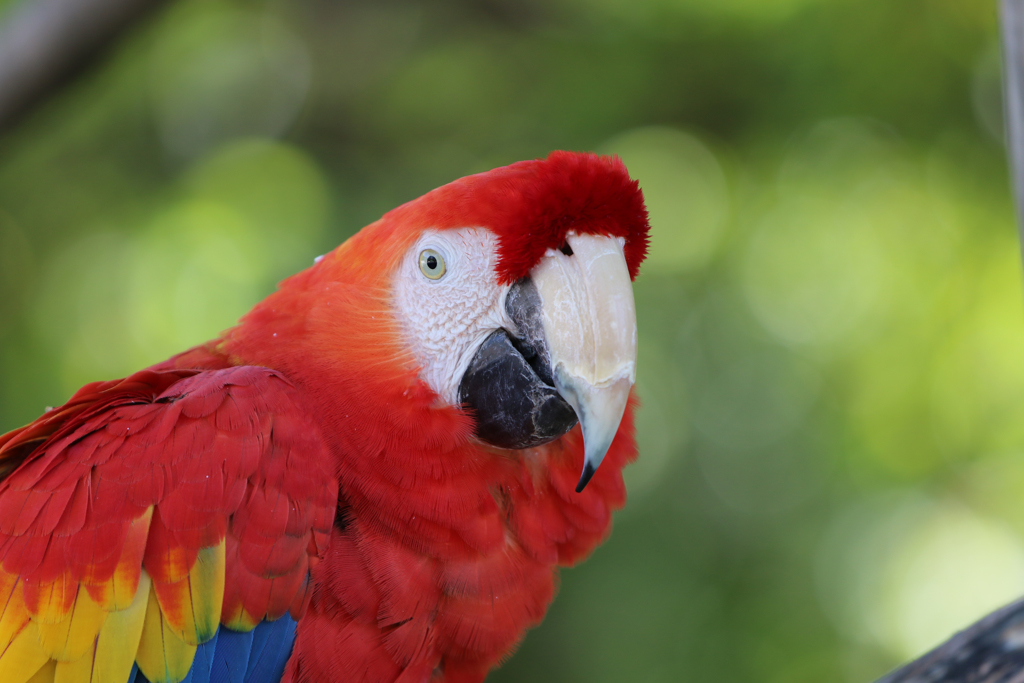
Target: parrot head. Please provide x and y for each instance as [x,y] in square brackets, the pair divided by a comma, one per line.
[507,293]
[527,321]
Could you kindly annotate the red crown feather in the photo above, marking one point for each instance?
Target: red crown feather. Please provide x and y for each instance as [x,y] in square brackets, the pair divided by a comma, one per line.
[533,205]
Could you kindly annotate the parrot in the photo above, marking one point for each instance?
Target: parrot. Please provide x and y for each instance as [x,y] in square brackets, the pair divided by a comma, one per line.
[374,476]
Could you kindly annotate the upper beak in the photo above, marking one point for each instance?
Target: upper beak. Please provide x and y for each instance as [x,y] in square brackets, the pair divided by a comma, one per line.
[589,323]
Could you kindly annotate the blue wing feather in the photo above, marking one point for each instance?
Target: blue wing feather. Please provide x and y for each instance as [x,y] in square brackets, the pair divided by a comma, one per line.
[202,665]
[261,636]
[232,656]
[268,665]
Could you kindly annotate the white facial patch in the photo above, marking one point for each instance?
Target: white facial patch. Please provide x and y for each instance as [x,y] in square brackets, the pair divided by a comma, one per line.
[446,319]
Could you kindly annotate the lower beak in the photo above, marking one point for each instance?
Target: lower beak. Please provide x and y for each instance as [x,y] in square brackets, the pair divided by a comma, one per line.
[589,324]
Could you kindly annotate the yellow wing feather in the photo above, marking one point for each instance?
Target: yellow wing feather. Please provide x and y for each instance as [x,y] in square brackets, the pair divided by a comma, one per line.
[163,657]
[206,584]
[192,606]
[46,674]
[77,671]
[13,613]
[24,657]
[119,638]
[70,639]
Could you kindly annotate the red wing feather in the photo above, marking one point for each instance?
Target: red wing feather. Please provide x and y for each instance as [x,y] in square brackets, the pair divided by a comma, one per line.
[213,486]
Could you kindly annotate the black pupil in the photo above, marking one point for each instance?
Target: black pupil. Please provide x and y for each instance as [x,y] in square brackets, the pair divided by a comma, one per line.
[432,262]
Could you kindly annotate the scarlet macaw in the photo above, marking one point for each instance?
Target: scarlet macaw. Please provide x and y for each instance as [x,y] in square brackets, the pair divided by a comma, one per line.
[372,477]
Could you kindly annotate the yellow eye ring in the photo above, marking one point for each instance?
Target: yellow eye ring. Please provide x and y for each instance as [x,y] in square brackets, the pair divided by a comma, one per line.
[432,264]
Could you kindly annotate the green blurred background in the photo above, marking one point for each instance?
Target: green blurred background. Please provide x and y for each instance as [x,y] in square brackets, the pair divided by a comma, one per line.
[831,317]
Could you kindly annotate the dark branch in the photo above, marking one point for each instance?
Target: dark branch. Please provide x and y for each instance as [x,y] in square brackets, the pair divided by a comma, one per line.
[990,651]
[46,43]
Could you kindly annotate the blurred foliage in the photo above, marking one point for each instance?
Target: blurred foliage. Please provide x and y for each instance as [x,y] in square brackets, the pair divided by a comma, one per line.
[832,326]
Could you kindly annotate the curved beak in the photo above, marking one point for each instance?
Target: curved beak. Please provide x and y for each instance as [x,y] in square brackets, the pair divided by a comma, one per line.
[589,324]
[571,356]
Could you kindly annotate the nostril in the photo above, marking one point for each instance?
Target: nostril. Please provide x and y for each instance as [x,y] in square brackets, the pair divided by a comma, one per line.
[565,249]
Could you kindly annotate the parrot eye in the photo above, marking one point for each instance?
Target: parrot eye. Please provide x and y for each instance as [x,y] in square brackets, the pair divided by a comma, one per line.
[432,264]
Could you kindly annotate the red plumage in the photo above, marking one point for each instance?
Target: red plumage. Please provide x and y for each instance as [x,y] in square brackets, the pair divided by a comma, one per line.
[344,490]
